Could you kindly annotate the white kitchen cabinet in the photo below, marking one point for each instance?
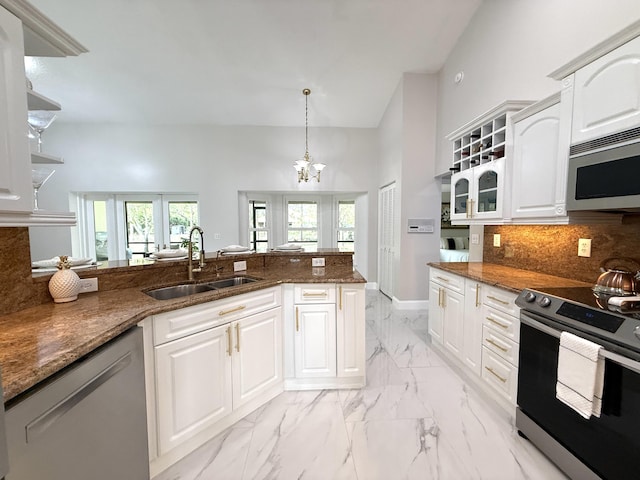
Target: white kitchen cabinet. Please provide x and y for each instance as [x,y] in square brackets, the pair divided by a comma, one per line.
[315,340]
[477,327]
[207,366]
[436,313]
[448,312]
[480,150]
[500,341]
[606,94]
[201,378]
[326,336]
[472,328]
[350,334]
[477,194]
[16,193]
[194,385]
[256,356]
[24,30]
[540,162]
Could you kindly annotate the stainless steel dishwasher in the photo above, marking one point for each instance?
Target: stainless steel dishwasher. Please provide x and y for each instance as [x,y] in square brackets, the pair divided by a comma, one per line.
[88,422]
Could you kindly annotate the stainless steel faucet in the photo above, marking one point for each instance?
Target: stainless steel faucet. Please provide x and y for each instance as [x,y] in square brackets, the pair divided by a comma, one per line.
[201,262]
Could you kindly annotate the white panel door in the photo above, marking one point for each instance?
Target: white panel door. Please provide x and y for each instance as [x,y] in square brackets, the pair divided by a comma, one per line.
[607,94]
[386,235]
[538,166]
[193,385]
[350,331]
[257,356]
[16,194]
[453,321]
[472,329]
[315,341]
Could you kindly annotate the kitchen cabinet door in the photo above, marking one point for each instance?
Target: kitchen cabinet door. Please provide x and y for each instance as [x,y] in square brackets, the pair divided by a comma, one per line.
[436,313]
[315,341]
[16,193]
[453,321]
[539,166]
[477,193]
[257,355]
[472,330]
[607,94]
[350,331]
[193,385]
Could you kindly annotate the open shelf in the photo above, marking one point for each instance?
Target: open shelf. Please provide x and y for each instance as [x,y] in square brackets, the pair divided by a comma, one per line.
[37,101]
[43,158]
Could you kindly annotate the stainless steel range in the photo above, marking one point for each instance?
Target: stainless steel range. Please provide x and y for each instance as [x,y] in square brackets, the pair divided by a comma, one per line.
[599,447]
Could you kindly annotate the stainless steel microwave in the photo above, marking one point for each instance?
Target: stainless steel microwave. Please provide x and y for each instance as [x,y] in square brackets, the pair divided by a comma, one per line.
[604,174]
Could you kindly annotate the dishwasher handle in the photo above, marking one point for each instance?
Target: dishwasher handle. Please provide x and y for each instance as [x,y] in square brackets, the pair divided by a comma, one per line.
[41,424]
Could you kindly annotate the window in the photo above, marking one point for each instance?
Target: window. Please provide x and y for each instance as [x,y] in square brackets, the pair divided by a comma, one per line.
[258,231]
[302,224]
[123,226]
[346,225]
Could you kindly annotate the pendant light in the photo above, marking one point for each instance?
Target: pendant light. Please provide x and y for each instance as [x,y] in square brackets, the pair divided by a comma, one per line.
[307,168]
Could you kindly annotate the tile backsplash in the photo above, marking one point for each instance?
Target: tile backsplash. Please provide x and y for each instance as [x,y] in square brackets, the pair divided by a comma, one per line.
[553,249]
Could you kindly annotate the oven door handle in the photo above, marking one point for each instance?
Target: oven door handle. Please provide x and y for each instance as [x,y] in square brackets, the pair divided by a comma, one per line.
[614,357]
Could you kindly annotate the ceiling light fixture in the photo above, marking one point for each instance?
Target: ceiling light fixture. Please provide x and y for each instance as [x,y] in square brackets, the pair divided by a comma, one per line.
[306,167]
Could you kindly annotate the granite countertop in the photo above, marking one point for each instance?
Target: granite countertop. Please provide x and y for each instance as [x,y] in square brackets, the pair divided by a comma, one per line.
[39,341]
[512,279]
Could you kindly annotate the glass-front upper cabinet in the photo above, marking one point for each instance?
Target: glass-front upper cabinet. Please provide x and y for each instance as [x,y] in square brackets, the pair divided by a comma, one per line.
[477,193]
[480,150]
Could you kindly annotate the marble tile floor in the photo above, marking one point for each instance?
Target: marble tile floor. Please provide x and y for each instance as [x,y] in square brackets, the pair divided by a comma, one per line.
[415,419]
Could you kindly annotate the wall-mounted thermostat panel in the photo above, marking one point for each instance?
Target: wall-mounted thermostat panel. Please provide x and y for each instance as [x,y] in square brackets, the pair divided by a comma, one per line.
[420,225]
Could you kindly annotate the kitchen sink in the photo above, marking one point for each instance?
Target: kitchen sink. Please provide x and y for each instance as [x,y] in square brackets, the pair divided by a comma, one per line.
[231,282]
[177,291]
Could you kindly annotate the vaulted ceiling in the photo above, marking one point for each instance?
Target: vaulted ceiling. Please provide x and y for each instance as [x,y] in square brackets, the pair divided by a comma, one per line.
[243,62]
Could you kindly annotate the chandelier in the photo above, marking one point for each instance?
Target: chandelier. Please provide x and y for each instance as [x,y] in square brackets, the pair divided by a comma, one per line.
[306,167]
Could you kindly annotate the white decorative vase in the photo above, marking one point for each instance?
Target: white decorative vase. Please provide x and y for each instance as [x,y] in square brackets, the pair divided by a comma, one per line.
[64,285]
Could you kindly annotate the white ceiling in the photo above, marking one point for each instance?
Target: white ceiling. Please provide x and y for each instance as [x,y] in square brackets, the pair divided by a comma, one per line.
[243,62]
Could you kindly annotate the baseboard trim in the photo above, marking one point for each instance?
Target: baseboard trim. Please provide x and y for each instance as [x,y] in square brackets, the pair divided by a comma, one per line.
[410,304]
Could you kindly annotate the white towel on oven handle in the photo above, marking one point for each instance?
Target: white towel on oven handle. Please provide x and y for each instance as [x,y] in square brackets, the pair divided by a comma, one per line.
[580,375]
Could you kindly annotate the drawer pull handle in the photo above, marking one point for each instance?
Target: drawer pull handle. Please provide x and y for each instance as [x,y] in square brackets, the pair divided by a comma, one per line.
[229,341]
[490,370]
[497,345]
[443,279]
[501,325]
[497,300]
[477,294]
[51,416]
[314,295]
[237,337]
[222,313]
[340,300]
[297,320]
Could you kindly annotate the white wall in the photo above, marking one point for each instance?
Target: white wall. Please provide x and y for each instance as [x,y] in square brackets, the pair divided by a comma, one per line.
[215,162]
[407,156]
[509,48]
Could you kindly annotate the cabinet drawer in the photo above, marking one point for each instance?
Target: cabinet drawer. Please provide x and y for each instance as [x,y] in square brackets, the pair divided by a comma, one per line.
[502,323]
[501,300]
[315,293]
[186,321]
[501,375]
[500,345]
[448,280]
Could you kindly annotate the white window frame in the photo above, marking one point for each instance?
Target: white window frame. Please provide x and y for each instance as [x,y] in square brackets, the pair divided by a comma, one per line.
[336,218]
[303,198]
[116,220]
[269,215]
